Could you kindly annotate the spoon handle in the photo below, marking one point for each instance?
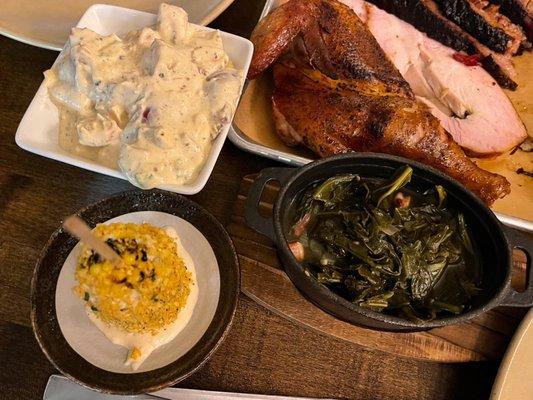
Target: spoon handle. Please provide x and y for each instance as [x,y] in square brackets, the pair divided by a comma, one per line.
[77,227]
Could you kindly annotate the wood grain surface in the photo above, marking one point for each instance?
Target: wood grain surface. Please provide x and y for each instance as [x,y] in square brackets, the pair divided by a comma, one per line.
[264,280]
[264,353]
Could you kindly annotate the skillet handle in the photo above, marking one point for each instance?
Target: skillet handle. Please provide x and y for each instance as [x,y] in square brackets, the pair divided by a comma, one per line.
[523,241]
[254,220]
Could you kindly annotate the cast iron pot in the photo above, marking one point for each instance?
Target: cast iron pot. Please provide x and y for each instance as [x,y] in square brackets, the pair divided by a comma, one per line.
[495,241]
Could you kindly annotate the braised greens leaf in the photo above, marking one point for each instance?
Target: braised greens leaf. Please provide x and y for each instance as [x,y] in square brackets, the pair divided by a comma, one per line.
[387,248]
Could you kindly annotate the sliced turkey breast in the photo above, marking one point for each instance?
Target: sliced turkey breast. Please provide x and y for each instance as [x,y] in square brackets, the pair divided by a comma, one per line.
[466,99]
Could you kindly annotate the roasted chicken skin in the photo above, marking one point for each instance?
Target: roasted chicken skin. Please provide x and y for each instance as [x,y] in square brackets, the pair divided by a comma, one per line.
[335,91]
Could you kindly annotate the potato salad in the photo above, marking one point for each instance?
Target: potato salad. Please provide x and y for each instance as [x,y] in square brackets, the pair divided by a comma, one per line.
[149,103]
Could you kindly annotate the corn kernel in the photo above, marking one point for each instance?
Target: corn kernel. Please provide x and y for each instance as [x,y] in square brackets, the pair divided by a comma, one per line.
[145,295]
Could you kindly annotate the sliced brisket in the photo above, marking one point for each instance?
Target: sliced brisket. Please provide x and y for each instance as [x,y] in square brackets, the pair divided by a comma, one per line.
[501,69]
[483,21]
[426,17]
[520,12]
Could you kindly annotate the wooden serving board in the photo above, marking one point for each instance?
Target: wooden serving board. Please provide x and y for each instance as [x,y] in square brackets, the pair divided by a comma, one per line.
[264,280]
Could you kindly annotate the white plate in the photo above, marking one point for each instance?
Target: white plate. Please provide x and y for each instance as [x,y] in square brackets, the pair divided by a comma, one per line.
[48,24]
[38,130]
[515,377]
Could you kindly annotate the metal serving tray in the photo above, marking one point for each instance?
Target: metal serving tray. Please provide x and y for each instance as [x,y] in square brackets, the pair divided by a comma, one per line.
[241,140]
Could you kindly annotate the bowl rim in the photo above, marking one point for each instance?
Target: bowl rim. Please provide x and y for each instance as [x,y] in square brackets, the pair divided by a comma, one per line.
[216,332]
[393,322]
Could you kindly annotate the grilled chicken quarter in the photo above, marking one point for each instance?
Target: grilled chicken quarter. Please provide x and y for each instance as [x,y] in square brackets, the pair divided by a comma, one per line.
[335,91]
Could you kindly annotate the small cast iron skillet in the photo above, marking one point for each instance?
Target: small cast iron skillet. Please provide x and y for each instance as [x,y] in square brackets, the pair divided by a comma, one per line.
[43,311]
[495,242]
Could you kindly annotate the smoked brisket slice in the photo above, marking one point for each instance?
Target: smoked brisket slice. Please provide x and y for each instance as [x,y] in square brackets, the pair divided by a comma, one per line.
[519,12]
[483,21]
[491,65]
[426,17]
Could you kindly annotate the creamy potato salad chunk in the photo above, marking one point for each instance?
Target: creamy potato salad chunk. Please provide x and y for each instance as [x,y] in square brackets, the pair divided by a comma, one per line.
[150,102]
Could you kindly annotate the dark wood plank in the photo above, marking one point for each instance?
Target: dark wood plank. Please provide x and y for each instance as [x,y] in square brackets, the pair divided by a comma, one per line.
[276,358]
[15,285]
[25,369]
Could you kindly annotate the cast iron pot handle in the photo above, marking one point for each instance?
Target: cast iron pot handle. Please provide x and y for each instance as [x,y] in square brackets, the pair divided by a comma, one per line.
[523,241]
[251,210]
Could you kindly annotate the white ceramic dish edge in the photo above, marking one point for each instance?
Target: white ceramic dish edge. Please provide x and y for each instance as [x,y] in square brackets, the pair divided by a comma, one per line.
[507,366]
[30,41]
[218,9]
[37,131]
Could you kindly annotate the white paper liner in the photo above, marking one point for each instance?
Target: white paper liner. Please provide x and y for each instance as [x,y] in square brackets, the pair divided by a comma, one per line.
[91,344]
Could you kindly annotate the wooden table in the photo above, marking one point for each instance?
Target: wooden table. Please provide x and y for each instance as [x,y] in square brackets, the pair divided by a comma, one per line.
[263,353]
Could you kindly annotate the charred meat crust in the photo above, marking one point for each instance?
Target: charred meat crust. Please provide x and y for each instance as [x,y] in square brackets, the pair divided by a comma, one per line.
[465,15]
[518,14]
[426,17]
[491,66]
[369,107]
[346,39]
[273,35]
[355,120]
[286,132]
[334,38]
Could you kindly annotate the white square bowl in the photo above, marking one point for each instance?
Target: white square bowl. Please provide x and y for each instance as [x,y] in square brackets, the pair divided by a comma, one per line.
[38,130]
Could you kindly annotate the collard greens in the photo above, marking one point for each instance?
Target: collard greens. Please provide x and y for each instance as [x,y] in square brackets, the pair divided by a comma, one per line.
[386,248]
